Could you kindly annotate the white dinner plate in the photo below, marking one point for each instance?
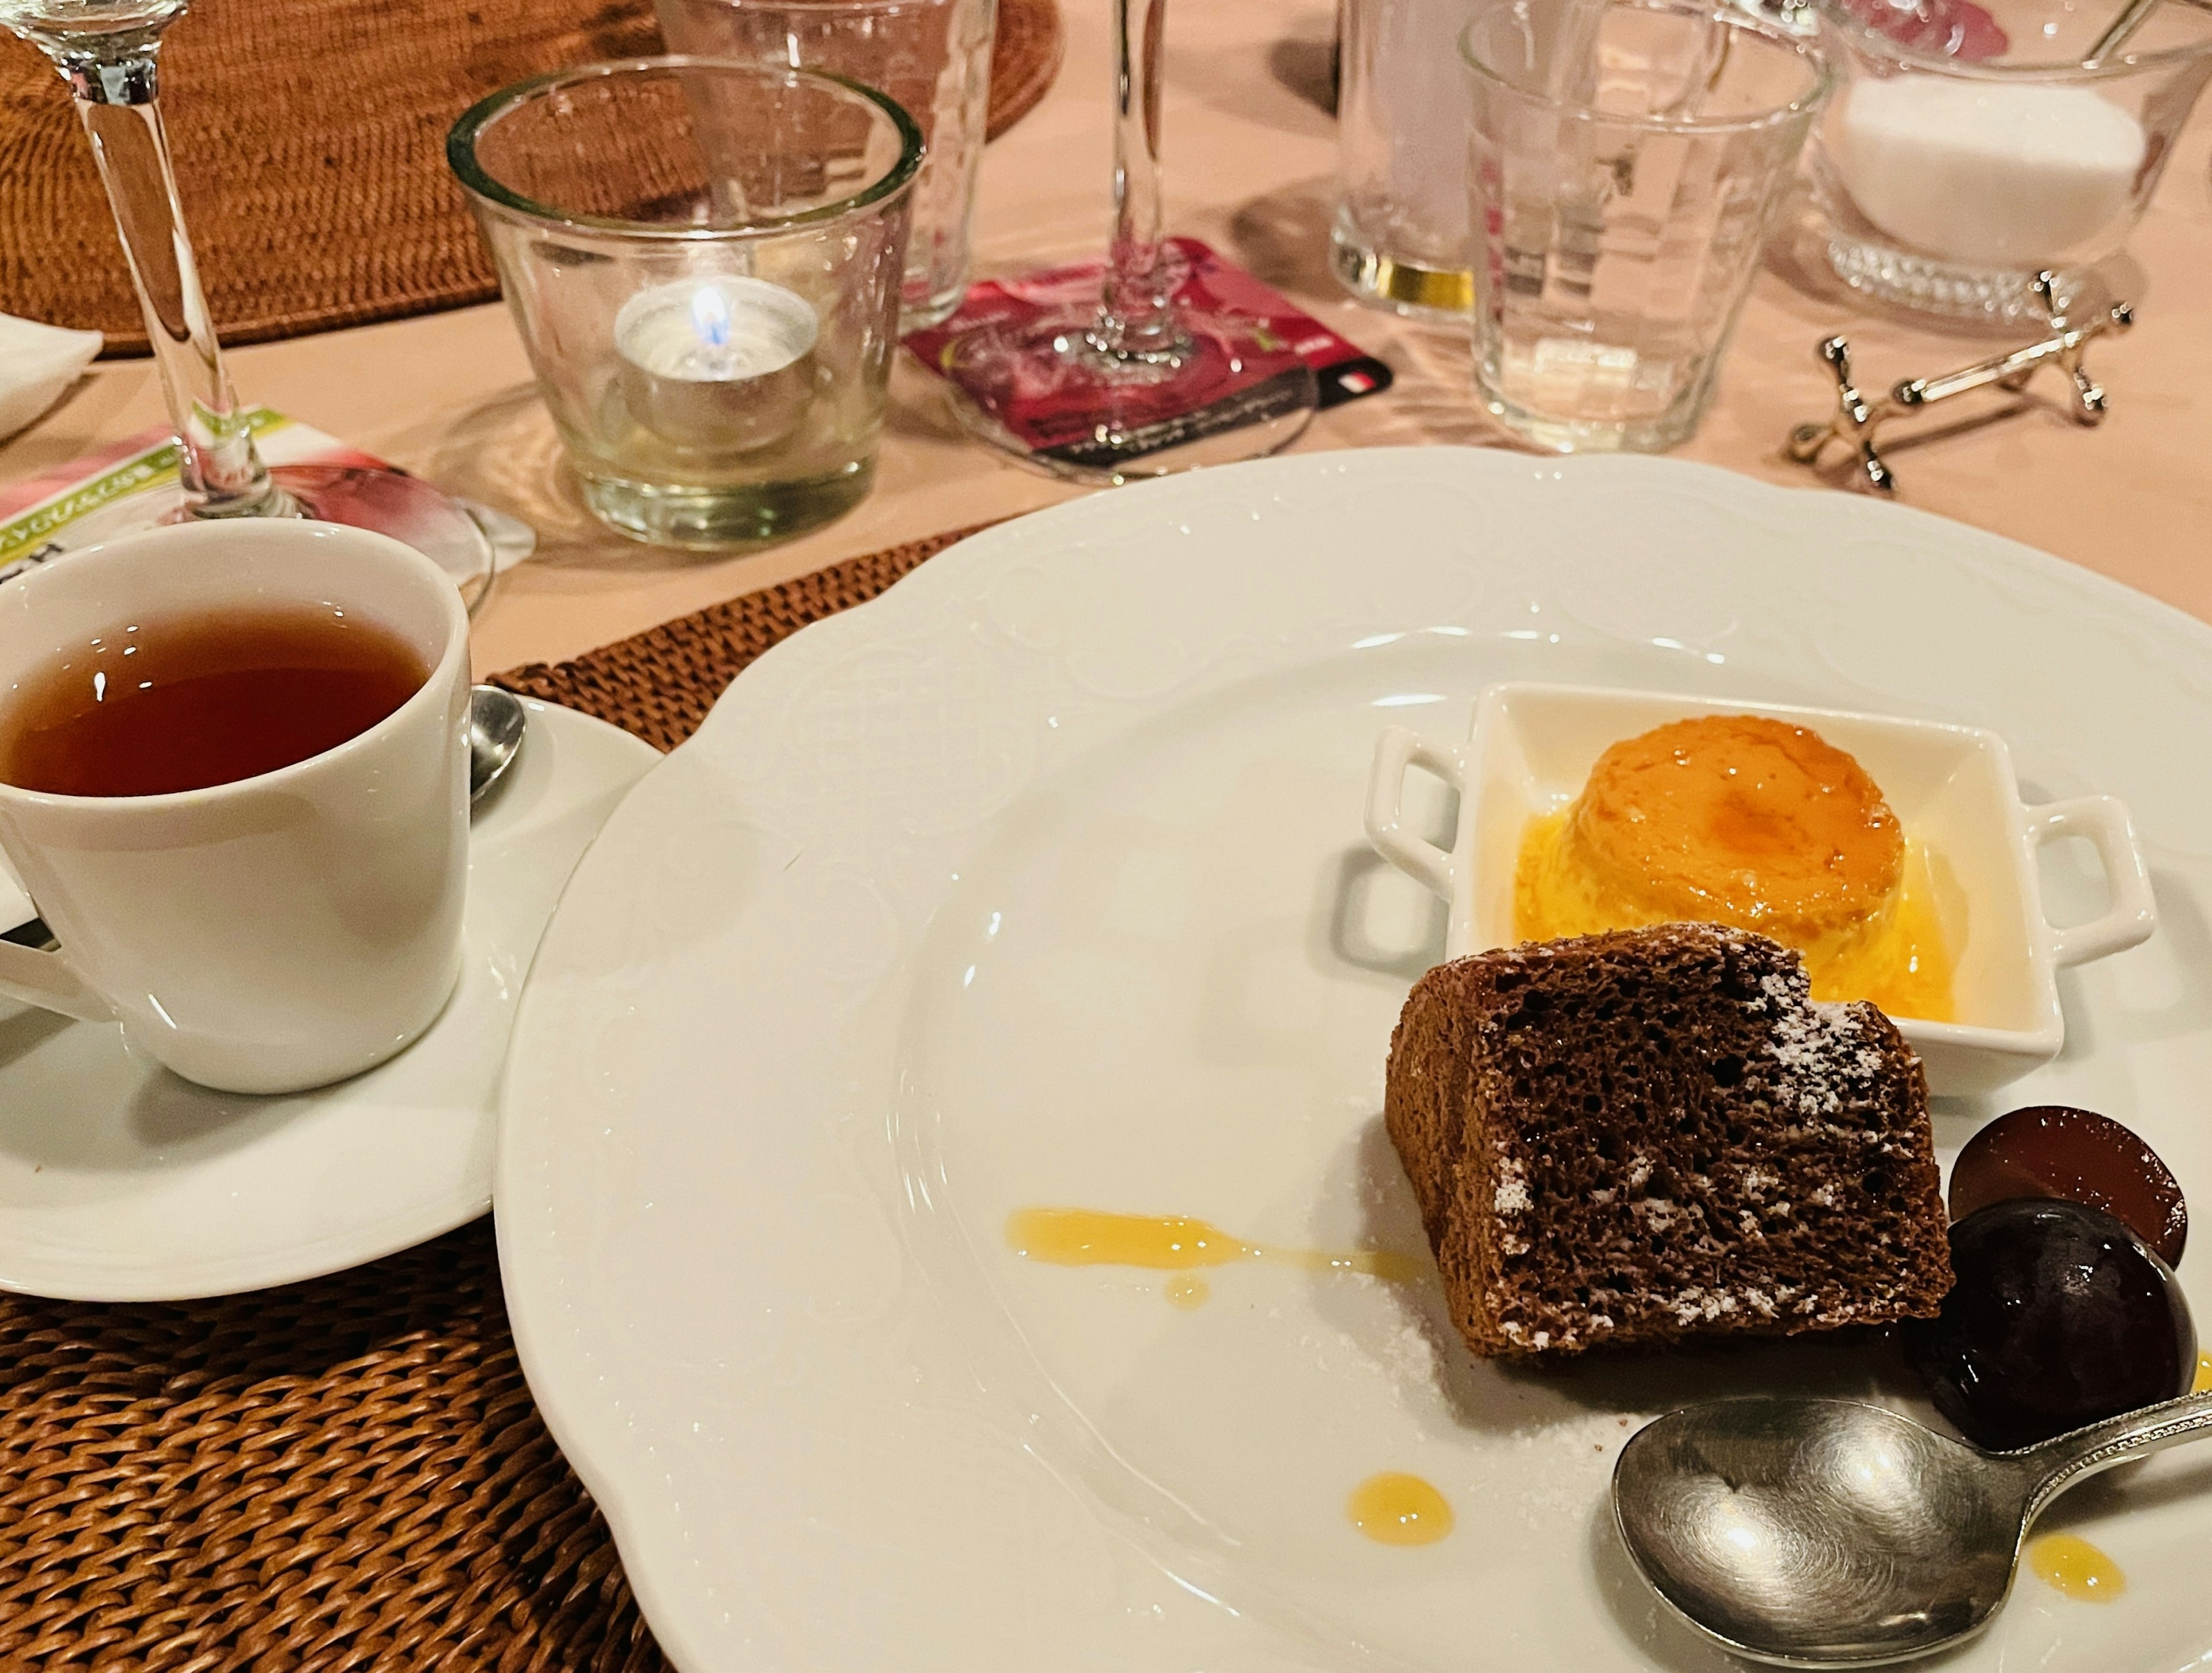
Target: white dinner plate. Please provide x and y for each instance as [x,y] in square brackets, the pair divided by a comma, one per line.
[1041,881]
[118,1182]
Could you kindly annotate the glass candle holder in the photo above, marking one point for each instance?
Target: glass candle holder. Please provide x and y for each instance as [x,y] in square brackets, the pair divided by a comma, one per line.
[1626,161]
[1970,147]
[933,56]
[704,260]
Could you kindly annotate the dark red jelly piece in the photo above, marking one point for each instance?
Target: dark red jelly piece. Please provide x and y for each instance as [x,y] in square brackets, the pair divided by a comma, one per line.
[2077,1156]
[2060,1317]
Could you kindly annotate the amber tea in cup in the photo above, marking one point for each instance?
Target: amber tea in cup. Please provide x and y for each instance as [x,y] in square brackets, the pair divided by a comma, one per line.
[182,702]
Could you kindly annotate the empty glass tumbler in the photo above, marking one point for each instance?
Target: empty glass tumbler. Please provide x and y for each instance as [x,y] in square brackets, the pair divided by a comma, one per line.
[704,261]
[1401,236]
[934,56]
[1627,159]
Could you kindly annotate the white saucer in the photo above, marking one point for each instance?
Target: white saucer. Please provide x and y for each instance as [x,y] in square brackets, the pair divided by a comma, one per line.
[120,1181]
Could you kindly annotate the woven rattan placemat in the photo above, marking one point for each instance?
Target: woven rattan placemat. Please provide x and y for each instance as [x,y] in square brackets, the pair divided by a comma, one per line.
[309,137]
[345,1474]
[660,683]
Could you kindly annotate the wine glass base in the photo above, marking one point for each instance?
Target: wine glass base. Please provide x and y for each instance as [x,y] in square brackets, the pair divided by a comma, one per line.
[409,510]
[1041,392]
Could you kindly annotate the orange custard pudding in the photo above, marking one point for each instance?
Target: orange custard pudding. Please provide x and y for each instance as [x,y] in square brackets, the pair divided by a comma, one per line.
[1737,819]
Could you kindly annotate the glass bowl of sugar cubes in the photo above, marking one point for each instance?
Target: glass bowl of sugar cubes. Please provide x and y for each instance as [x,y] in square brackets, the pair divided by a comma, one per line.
[1976,142]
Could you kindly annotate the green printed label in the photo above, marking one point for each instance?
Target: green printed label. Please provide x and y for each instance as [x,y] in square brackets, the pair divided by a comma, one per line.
[156,467]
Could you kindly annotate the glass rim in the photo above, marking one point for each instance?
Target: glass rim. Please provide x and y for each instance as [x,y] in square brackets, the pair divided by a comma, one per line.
[1823,71]
[461,151]
[1873,43]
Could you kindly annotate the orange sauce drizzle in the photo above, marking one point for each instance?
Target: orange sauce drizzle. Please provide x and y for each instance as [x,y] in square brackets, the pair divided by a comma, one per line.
[1172,1243]
[1397,1509]
[2075,1568]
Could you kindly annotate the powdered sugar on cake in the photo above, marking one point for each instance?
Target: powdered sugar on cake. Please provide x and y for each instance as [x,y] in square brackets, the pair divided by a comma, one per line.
[1820,1048]
[1511,1196]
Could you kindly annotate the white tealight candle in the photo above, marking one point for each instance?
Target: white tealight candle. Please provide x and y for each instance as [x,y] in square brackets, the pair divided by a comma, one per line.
[1985,174]
[717,363]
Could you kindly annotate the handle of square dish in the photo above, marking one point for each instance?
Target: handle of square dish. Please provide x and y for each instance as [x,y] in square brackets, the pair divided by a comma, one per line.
[2128,921]
[1421,860]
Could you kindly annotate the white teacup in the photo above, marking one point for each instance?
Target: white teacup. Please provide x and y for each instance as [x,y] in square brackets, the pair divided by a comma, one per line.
[279,932]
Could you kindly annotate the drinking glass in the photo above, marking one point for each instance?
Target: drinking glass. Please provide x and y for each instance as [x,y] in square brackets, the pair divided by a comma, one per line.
[1627,159]
[704,260]
[1143,358]
[1400,238]
[1970,147]
[109,52]
[934,56]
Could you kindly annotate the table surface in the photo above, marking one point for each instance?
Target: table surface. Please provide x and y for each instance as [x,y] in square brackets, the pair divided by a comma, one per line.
[1250,161]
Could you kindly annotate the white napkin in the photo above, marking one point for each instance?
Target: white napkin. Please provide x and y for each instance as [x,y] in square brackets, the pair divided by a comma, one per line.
[37,364]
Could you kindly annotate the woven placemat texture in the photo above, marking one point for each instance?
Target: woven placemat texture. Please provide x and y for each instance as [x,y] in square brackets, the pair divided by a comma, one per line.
[309,138]
[660,683]
[345,1474]
[1025,57]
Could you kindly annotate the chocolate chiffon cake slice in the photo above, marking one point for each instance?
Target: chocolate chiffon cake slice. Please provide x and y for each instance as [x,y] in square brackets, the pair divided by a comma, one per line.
[1656,1134]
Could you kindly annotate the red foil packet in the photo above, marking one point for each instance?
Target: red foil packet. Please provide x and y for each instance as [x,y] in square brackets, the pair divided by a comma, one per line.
[1259,388]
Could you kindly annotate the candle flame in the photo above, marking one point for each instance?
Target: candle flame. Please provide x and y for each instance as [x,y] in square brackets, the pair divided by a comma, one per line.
[710,316]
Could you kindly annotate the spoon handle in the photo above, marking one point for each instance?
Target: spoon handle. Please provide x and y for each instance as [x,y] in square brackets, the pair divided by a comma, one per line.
[2118,31]
[2069,1459]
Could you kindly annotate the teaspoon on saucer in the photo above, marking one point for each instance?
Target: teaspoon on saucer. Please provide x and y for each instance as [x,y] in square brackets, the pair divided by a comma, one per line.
[1827,1533]
[497,723]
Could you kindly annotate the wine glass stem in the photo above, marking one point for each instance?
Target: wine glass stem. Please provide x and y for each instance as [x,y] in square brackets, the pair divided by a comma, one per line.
[1136,303]
[117,101]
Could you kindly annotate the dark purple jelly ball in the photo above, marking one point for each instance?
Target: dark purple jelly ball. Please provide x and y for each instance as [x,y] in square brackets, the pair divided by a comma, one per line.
[2060,1316]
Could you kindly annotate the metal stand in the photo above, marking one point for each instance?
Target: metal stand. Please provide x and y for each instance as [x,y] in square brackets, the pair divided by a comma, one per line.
[1857,418]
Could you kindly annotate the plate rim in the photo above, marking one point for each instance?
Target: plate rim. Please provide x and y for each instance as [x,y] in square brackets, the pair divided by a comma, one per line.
[588,1435]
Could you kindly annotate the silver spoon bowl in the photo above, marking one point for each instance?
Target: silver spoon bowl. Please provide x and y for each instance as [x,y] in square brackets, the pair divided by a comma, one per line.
[1826,1533]
[497,725]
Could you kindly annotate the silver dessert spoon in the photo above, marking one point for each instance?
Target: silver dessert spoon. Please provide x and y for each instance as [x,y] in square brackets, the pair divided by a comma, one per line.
[497,724]
[1826,1533]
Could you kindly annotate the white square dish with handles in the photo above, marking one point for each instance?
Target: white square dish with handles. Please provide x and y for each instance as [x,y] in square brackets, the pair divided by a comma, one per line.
[1951,786]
